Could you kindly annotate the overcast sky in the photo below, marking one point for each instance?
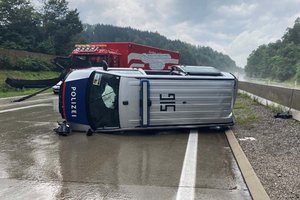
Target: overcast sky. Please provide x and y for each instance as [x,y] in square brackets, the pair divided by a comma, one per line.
[233,27]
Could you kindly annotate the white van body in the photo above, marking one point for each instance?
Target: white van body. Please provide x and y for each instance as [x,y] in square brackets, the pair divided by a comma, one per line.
[132,99]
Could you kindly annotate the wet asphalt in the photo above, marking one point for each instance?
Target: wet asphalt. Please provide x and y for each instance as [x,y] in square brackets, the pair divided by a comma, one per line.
[36,163]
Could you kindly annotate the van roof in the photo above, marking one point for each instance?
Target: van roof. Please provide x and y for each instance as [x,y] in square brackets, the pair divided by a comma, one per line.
[199,70]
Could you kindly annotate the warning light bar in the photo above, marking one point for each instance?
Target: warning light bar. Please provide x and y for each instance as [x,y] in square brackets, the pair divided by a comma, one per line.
[88,48]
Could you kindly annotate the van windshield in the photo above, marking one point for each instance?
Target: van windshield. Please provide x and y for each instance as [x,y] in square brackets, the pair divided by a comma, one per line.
[103,92]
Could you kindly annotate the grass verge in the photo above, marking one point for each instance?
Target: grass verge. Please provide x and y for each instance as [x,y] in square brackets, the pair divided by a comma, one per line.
[243,110]
[7,91]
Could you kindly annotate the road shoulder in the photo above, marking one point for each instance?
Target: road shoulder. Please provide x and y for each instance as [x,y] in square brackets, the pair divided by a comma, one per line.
[254,185]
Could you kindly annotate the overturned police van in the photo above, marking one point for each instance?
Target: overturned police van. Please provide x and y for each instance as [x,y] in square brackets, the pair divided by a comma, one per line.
[121,99]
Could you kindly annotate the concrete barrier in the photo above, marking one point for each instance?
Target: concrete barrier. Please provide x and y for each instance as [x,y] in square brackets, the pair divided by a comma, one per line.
[280,95]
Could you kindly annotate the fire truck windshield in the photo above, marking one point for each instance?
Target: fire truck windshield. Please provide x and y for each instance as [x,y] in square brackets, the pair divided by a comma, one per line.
[84,61]
[102,98]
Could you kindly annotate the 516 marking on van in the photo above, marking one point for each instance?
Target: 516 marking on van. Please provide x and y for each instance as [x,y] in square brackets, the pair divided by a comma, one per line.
[167,103]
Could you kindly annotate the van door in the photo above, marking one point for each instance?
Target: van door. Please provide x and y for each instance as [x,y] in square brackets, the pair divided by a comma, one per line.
[129,102]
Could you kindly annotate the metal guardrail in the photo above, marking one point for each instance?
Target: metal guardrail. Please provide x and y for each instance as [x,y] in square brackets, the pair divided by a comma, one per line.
[285,96]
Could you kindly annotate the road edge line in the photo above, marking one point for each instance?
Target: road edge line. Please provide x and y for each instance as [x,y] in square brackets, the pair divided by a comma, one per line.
[25,107]
[256,189]
[24,95]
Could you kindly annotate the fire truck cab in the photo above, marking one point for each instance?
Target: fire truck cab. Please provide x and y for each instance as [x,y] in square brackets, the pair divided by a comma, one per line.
[123,54]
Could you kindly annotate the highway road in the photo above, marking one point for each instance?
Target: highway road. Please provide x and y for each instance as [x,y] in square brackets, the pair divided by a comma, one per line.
[36,163]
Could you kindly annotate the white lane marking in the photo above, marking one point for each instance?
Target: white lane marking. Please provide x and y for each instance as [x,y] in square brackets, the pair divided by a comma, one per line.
[5,104]
[247,138]
[186,188]
[25,107]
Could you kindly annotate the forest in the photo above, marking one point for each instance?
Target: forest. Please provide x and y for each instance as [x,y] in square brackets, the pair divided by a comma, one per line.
[278,61]
[190,54]
[53,29]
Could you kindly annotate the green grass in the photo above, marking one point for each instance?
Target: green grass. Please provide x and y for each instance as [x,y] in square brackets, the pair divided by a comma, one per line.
[275,109]
[7,91]
[243,110]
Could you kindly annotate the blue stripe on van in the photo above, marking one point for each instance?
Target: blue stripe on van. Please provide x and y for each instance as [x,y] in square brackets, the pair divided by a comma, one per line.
[75,101]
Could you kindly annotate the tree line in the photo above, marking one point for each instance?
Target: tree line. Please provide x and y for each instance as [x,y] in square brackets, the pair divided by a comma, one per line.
[51,29]
[54,29]
[279,60]
[189,54]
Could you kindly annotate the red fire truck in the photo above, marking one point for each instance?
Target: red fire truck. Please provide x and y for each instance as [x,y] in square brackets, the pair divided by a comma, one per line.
[125,54]
[116,54]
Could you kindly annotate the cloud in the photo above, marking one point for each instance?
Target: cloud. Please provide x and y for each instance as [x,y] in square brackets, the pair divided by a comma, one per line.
[234,27]
[263,30]
[237,10]
[245,43]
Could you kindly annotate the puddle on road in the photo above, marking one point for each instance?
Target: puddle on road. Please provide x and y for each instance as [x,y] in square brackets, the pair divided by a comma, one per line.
[30,150]
[34,123]
[55,105]
[217,168]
